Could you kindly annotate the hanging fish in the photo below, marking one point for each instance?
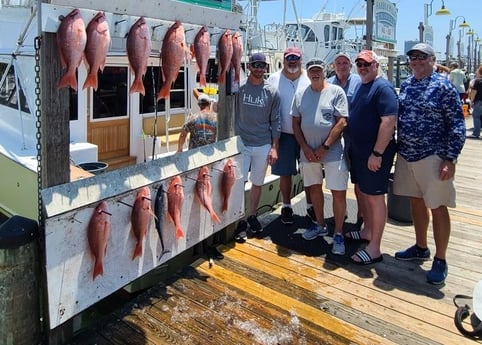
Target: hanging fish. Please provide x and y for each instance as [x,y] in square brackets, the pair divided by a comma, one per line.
[138,48]
[175,199]
[225,47]
[98,234]
[227,182]
[71,40]
[140,218]
[98,44]
[237,55]
[159,213]
[202,51]
[173,53]
[204,191]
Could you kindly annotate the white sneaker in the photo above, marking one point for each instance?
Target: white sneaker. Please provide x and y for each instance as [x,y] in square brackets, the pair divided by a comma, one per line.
[338,247]
[314,231]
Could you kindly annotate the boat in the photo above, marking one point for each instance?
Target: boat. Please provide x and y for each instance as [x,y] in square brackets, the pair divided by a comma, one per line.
[68,155]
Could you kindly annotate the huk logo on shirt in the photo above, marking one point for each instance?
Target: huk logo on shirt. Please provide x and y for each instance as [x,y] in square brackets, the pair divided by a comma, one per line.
[257,101]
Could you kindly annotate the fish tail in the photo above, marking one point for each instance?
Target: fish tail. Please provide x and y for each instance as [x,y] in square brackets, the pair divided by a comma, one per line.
[215,217]
[91,81]
[98,268]
[137,250]
[202,80]
[179,233]
[222,77]
[138,86]
[68,80]
[225,205]
[164,92]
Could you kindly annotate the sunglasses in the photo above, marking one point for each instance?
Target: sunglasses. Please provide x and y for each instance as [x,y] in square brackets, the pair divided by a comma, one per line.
[418,57]
[364,64]
[292,58]
[258,64]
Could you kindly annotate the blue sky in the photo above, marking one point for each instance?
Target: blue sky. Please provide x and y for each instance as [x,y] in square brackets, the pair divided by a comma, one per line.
[410,13]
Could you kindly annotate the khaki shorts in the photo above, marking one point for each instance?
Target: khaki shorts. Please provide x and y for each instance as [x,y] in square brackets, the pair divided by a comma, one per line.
[336,174]
[421,179]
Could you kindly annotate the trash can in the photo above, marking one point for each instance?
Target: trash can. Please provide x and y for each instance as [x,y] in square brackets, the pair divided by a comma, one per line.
[94,167]
[398,206]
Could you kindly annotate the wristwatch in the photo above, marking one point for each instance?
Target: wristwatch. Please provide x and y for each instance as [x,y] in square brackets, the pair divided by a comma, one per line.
[451,160]
[326,147]
[377,154]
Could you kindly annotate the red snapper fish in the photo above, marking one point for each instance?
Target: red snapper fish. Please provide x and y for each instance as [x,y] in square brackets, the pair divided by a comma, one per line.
[138,47]
[140,218]
[98,235]
[202,51]
[237,55]
[175,198]
[203,192]
[98,44]
[225,47]
[227,182]
[71,40]
[173,53]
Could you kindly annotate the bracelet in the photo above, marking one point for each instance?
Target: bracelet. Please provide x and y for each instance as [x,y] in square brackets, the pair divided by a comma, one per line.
[377,154]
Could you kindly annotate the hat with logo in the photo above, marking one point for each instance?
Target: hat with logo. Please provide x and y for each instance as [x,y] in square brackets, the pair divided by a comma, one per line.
[315,62]
[367,56]
[292,51]
[257,57]
[423,48]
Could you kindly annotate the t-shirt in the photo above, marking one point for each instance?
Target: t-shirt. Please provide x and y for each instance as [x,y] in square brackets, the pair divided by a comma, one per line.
[257,116]
[202,128]
[350,86]
[318,112]
[457,77]
[287,89]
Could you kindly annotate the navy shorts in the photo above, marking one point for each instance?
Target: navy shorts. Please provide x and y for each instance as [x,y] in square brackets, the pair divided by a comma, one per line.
[369,182]
[288,156]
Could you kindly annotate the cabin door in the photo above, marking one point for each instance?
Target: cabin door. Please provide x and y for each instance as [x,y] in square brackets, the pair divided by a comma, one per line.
[108,124]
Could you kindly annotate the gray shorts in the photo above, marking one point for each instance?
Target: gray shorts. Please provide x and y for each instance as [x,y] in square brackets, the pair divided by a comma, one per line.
[421,179]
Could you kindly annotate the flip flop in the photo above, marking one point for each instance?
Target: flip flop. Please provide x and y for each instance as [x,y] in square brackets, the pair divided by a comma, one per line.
[355,236]
[365,258]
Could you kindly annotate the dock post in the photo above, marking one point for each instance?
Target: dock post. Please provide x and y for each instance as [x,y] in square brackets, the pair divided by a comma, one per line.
[19,282]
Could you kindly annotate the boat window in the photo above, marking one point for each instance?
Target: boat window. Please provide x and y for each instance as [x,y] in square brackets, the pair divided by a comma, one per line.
[8,90]
[110,99]
[326,35]
[177,96]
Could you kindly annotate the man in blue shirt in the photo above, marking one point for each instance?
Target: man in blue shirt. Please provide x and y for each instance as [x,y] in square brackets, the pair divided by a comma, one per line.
[431,135]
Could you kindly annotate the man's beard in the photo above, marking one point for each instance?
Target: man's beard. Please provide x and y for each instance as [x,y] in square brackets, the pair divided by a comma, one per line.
[294,69]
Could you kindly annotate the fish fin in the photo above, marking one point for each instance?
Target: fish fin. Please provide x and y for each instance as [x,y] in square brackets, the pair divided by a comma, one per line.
[202,80]
[137,86]
[225,205]
[98,269]
[179,233]
[68,80]
[164,92]
[91,81]
[137,250]
[222,77]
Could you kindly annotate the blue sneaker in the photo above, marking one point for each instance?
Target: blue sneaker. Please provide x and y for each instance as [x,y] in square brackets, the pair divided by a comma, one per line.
[413,253]
[439,272]
[314,231]
[338,247]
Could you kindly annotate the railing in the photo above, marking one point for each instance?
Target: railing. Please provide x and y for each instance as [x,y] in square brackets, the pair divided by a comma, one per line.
[17,3]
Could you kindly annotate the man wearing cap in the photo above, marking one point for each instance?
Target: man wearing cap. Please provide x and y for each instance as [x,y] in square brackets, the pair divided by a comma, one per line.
[319,117]
[202,126]
[371,129]
[287,81]
[257,122]
[431,135]
[349,82]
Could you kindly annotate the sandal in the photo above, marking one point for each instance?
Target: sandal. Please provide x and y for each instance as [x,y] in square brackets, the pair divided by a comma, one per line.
[355,236]
[365,258]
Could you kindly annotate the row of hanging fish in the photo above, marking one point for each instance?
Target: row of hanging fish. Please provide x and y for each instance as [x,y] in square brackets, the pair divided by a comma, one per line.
[99,228]
[75,41]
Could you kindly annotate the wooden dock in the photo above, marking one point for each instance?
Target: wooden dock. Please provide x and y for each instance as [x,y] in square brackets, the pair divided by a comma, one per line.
[279,289]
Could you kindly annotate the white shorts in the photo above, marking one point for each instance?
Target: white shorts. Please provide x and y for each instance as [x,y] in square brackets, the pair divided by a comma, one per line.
[255,161]
[335,174]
